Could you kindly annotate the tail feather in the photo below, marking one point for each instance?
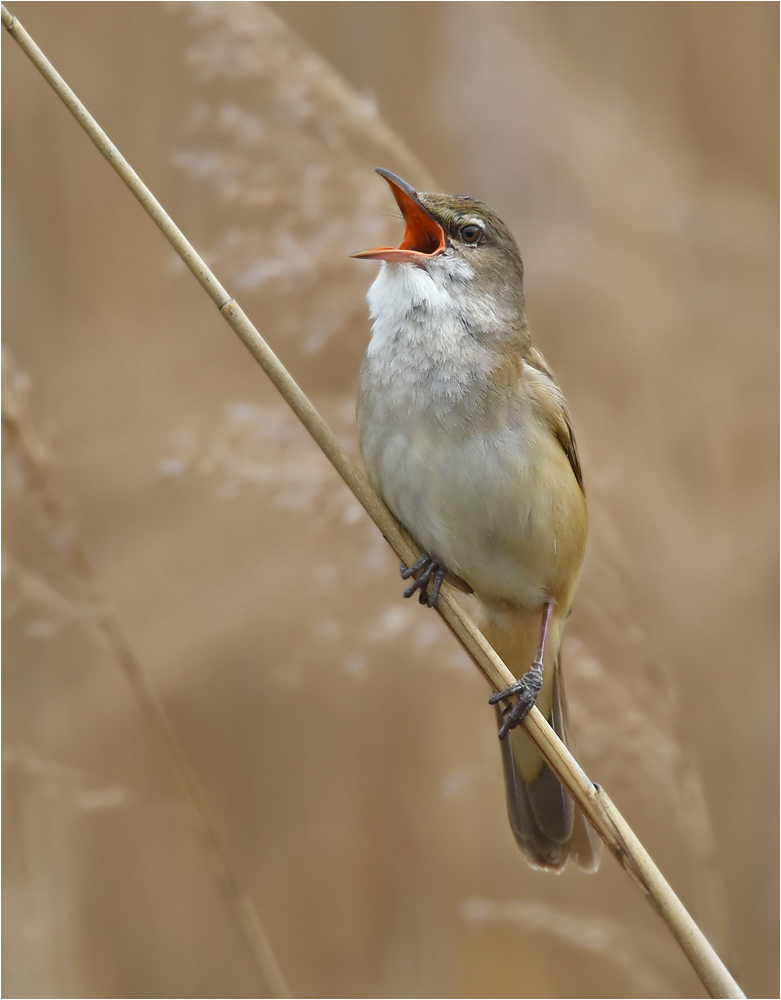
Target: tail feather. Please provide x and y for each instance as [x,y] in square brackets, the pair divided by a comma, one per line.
[540,811]
[547,824]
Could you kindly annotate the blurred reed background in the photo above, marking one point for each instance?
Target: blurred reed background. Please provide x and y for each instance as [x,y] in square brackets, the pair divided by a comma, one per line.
[342,737]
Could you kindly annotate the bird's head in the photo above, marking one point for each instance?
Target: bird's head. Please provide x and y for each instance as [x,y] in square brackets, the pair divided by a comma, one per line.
[459,242]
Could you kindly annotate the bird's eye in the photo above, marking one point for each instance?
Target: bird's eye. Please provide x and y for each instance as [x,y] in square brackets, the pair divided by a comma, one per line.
[471,233]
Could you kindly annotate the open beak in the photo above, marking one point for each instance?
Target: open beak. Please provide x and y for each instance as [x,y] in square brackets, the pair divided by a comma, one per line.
[423,235]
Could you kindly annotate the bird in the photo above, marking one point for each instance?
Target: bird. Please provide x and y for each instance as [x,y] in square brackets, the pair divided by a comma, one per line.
[466,436]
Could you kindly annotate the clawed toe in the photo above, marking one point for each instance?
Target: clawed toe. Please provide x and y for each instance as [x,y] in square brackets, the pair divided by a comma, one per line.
[526,690]
[408,571]
[427,568]
[513,689]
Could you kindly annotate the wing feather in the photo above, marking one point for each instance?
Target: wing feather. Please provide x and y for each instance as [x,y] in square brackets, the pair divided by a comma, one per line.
[554,406]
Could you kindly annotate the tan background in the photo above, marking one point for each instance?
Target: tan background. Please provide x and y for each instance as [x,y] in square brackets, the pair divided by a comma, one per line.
[342,739]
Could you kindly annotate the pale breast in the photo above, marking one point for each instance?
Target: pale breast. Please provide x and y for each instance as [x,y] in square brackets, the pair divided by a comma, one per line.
[479,501]
[482,485]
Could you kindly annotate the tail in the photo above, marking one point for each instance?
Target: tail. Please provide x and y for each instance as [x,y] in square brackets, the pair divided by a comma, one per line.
[547,824]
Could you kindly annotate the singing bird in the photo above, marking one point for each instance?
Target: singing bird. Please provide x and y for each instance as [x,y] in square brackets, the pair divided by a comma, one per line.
[466,436]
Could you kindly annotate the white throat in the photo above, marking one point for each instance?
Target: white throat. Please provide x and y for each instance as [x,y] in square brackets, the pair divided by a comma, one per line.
[425,330]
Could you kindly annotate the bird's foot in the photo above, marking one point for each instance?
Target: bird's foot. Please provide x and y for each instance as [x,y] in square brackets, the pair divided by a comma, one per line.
[426,569]
[526,690]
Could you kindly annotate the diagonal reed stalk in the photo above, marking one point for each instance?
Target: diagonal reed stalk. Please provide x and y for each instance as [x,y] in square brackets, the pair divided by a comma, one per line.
[601,812]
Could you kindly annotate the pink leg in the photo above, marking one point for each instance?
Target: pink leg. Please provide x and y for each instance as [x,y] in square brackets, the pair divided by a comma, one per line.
[529,686]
